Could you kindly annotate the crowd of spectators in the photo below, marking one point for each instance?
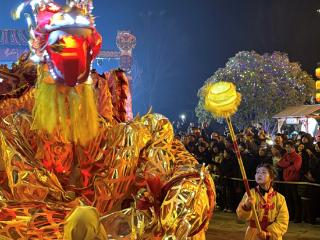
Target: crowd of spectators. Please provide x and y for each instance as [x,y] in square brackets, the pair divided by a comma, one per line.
[297,161]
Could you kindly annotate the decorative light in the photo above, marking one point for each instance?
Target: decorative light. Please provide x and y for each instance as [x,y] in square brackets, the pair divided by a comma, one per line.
[317,72]
[53,74]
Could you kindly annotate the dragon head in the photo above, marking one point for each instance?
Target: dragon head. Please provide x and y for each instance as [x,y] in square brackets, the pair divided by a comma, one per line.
[63,37]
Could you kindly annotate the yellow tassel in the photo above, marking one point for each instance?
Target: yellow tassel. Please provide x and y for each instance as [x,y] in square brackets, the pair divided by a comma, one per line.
[71,113]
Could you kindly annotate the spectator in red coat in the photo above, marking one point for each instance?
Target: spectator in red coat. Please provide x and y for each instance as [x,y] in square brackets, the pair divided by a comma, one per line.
[291,165]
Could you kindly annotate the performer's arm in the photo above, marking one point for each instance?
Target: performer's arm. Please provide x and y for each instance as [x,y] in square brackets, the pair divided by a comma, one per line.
[279,227]
[244,211]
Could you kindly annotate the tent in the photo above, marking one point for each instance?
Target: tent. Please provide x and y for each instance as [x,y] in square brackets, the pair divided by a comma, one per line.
[305,115]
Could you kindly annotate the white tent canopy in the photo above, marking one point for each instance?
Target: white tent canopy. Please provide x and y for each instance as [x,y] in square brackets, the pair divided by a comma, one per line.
[306,115]
[300,111]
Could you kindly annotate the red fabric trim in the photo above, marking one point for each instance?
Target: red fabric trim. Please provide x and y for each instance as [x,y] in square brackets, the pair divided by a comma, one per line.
[270,195]
[252,224]
[266,205]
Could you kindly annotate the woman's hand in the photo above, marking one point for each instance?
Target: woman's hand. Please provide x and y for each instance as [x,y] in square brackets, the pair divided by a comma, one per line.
[249,202]
[309,152]
[262,235]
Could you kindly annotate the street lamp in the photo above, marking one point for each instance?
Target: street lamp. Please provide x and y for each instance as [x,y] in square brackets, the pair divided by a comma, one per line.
[183,117]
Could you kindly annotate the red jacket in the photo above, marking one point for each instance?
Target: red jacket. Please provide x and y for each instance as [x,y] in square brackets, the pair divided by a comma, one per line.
[291,164]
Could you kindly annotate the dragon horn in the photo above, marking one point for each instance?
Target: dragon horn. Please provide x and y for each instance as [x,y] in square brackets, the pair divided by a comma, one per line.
[17,13]
[35,5]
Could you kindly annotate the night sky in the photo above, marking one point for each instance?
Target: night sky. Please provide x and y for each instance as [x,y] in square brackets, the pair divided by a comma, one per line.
[180,43]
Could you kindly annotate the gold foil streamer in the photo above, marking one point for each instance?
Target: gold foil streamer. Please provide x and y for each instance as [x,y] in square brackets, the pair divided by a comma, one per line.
[119,161]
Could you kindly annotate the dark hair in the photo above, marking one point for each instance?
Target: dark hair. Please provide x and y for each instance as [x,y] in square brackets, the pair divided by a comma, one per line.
[284,137]
[290,143]
[244,145]
[272,171]
[230,152]
[202,144]
[216,145]
[240,135]
[221,147]
[277,147]
[229,139]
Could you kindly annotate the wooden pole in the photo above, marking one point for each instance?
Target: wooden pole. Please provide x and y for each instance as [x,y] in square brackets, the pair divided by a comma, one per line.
[243,171]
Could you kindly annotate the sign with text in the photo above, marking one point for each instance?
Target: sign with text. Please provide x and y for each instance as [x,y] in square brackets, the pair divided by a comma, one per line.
[11,54]
[292,121]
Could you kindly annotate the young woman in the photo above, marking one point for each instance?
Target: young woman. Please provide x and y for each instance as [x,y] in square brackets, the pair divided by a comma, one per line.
[270,205]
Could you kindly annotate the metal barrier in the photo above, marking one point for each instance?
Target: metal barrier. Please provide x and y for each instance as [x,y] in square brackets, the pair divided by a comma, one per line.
[281,182]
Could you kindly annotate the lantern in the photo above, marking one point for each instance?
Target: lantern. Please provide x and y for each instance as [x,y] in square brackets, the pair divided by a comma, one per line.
[318,97]
[318,72]
[222,99]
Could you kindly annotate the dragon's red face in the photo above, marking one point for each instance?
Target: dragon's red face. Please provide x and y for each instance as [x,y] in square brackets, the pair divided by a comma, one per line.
[65,38]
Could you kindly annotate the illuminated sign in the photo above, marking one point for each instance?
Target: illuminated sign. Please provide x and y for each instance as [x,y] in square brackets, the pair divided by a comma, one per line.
[292,121]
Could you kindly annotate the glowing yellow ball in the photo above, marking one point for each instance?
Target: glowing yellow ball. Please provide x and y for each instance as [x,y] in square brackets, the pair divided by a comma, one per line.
[221,99]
